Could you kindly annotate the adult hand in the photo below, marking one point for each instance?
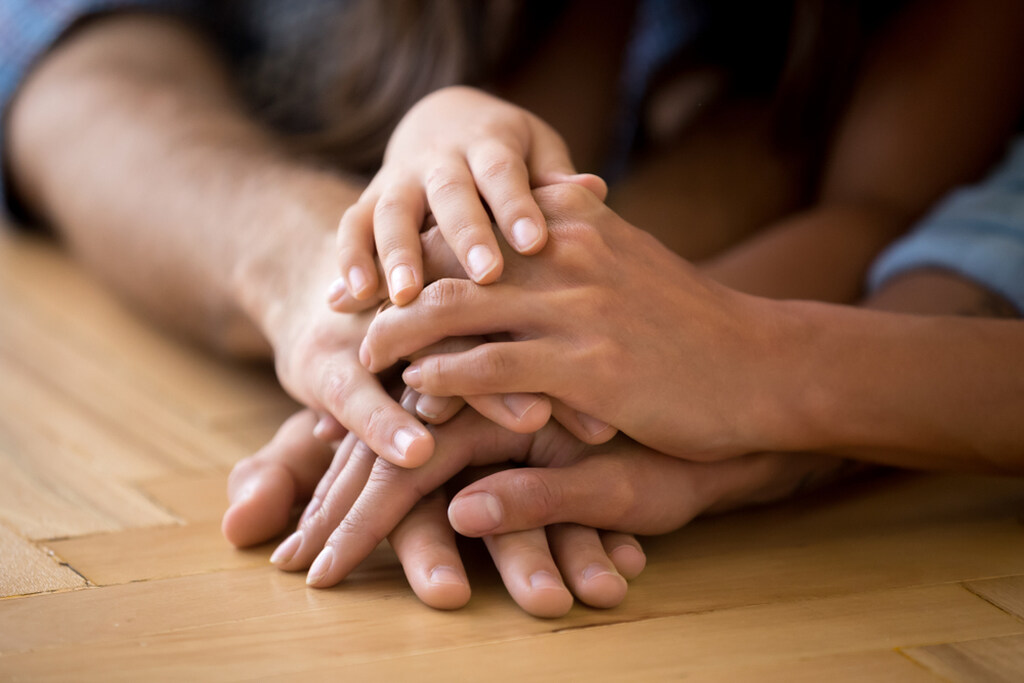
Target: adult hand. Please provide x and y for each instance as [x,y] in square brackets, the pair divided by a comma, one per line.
[609,322]
[264,488]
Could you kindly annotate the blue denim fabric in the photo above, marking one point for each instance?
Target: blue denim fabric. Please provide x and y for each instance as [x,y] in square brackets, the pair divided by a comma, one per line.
[976,232]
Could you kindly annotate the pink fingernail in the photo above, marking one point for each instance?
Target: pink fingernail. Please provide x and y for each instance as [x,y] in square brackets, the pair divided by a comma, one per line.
[336,291]
[476,513]
[321,565]
[286,551]
[526,233]
[595,570]
[592,424]
[481,261]
[520,404]
[403,440]
[433,406]
[311,508]
[364,354]
[357,280]
[401,279]
[412,376]
[446,576]
[544,580]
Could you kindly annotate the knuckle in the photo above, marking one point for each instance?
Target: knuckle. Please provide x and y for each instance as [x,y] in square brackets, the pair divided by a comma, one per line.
[378,421]
[497,168]
[336,386]
[565,199]
[444,294]
[532,492]
[387,208]
[442,184]
[495,363]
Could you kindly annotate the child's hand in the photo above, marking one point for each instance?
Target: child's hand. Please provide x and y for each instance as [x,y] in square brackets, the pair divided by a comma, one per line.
[453,148]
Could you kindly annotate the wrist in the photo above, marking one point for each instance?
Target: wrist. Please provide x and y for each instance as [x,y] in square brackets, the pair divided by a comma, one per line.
[288,265]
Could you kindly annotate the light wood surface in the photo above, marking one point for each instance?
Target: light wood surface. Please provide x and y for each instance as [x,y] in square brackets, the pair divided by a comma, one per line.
[115,443]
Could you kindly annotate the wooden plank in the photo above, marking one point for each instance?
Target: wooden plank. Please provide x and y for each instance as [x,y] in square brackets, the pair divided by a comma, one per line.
[202,387]
[993,660]
[140,554]
[26,569]
[1006,593]
[169,440]
[712,645]
[144,608]
[199,497]
[56,484]
[401,642]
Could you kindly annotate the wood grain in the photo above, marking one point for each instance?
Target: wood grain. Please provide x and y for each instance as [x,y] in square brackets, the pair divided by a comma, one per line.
[115,443]
[992,660]
[26,569]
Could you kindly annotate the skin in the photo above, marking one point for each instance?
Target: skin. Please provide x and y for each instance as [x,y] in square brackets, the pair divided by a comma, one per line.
[229,239]
[248,287]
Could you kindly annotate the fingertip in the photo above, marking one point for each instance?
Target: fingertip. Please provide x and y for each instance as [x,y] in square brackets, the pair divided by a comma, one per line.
[443,587]
[601,587]
[483,264]
[403,284]
[629,560]
[528,236]
[260,507]
[475,514]
[412,447]
[546,596]
[360,282]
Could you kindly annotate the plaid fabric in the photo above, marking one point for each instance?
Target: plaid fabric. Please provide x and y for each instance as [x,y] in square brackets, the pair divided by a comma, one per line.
[29,27]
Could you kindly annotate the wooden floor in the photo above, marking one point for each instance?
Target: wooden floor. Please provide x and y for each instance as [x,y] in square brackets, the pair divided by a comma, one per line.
[114,447]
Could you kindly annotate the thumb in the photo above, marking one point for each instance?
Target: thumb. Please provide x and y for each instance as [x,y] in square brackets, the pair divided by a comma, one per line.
[644,493]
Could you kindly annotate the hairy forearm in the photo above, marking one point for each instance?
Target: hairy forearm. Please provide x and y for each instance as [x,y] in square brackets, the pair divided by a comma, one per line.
[128,141]
[921,391]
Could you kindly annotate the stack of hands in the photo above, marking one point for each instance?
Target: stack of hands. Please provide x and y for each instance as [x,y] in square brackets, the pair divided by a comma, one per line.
[566,340]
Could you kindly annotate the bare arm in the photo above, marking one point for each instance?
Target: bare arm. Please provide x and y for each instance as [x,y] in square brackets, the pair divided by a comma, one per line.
[128,140]
[936,100]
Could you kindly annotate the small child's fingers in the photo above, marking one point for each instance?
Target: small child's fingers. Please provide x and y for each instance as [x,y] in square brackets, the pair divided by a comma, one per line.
[355,253]
[397,218]
[504,182]
[586,428]
[455,203]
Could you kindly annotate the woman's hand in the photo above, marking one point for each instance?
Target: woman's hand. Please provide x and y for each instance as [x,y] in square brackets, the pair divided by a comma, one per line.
[609,322]
[456,154]
[539,569]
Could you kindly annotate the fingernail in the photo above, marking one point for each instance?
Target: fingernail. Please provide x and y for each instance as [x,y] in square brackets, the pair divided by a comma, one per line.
[357,280]
[477,512]
[543,580]
[525,233]
[480,261]
[321,565]
[364,354]
[337,290]
[320,428]
[432,406]
[411,376]
[402,278]
[591,424]
[446,576]
[286,551]
[595,570]
[520,404]
[311,508]
[246,492]
[403,440]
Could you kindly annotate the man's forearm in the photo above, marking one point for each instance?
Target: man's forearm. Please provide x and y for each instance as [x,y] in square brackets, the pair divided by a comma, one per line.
[128,140]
